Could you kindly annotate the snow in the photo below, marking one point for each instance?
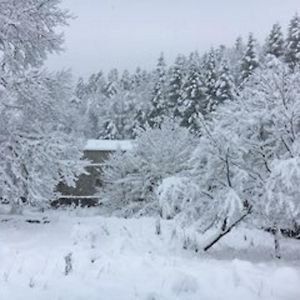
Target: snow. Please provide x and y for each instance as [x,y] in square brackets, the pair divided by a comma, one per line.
[108,145]
[117,259]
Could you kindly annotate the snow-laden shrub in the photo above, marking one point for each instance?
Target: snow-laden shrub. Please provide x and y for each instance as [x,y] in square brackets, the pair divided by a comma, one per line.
[281,205]
[247,158]
[131,178]
[181,199]
[179,196]
[268,136]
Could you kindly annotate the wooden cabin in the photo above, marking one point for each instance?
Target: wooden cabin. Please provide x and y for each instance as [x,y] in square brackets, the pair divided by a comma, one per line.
[84,194]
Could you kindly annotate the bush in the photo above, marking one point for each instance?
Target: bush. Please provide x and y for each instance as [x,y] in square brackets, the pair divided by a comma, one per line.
[131,178]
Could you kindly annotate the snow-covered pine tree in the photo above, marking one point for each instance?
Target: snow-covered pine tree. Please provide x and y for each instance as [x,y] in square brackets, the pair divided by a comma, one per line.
[143,95]
[142,80]
[80,89]
[117,116]
[91,102]
[96,83]
[137,77]
[210,81]
[140,119]
[225,87]
[175,92]
[193,95]
[112,86]
[239,45]
[234,57]
[126,83]
[250,60]
[159,102]
[220,54]
[292,53]
[275,41]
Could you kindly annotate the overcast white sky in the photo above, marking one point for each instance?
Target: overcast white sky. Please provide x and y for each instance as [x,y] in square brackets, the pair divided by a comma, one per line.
[131,33]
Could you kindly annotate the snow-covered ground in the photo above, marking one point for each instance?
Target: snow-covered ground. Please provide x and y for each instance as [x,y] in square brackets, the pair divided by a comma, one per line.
[117,259]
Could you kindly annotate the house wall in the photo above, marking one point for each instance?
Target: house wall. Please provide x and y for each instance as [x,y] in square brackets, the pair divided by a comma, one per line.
[86,185]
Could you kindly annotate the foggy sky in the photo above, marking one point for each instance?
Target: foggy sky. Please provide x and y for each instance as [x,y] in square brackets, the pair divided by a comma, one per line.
[131,33]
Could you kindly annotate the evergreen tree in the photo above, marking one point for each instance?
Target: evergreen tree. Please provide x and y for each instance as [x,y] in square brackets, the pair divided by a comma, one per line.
[239,45]
[126,83]
[140,120]
[194,96]
[210,81]
[292,55]
[112,86]
[225,87]
[250,59]
[80,89]
[220,54]
[96,83]
[143,91]
[235,57]
[137,77]
[159,103]
[119,113]
[145,77]
[275,42]
[175,93]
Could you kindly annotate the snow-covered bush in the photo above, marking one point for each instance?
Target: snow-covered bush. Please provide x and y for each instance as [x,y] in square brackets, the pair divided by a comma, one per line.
[269,136]
[247,158]
[131,178]
[39,144]
[179,196]
[282,206]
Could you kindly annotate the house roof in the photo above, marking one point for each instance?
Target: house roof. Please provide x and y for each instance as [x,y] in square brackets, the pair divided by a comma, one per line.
[108,145]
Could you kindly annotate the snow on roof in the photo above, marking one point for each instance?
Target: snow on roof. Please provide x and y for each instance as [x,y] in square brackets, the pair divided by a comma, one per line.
[108,145]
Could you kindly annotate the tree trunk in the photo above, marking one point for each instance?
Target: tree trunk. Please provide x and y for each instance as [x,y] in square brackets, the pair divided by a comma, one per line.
[15,208]
[277,242]
[158,226]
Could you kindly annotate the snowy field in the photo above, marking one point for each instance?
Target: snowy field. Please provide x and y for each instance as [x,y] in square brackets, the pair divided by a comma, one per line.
[117,259]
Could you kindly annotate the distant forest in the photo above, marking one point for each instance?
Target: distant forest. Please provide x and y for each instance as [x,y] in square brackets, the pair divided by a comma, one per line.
[115,105]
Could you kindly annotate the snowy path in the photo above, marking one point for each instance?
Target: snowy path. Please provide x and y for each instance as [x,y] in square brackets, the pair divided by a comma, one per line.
[122,260]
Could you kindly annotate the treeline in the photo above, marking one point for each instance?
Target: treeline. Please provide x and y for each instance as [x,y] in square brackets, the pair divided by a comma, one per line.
[114,106]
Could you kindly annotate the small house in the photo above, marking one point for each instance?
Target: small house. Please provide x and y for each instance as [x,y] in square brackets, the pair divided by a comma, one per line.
[84,193]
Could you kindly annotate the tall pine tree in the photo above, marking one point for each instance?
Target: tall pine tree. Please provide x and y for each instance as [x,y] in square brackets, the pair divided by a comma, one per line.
[112,86]
[292,55]
[250,60]
[194,95]
[235,57]
[225,87]
[126,82]
[175,92]
[275,41]
[210,81]
[80,89]
[159,106]
[96,83]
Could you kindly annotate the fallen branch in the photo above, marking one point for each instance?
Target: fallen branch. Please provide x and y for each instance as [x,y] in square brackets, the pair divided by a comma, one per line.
[30,221]
[223,233]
